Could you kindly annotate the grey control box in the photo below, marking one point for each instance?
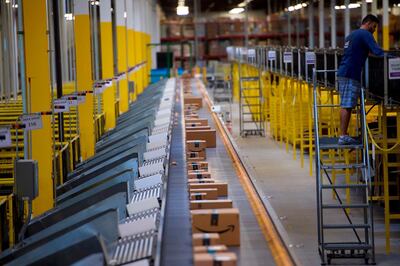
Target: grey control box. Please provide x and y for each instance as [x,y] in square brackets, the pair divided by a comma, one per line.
[27,178]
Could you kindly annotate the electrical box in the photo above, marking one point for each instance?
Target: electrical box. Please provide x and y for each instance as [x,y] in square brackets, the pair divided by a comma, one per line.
[26,177]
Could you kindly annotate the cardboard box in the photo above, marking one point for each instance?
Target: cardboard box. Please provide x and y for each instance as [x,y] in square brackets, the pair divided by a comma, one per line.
[210,249]
[211,193]
[194,100]
[196,145]
[203,122]
[197,166]
[221,221]
[208,135]
[210,204]
[195,159]
[201,180]
[198,196]
[205,239]
[198,128]
[194,154]
[222,187]
[193,124]
[192,116]
[199,174]
[221,259]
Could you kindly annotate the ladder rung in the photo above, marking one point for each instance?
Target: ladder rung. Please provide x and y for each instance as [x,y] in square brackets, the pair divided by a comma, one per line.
[344,206]
[344,186]
[258,97]
[253,104]
[332,143]
[250,78]
[328,105]
[343,166]
[346,246]
[252,113]
[254,121]
[249,89]
[345,226]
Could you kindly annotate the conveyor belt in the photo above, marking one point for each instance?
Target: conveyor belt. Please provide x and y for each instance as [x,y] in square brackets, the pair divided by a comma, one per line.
[177,250]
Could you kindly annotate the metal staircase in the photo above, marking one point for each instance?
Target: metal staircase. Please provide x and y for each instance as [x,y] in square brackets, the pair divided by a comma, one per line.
[251,101]
[353,238]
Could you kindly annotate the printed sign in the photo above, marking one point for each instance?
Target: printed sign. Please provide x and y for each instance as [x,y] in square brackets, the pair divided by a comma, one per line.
[271,55]
[5,137]
[251,53]
[32,121]
[61,106]
[288,57]
[72,100]
[394,68]
[310,58]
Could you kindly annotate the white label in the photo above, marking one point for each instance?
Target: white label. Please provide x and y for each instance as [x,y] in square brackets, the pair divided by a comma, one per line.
[31,122]
[394,68]
[71,99]
[310,58]
[81,99]
[243,51]
[61,106]
[5,137]
[288,57]
[271,55]
[251,53]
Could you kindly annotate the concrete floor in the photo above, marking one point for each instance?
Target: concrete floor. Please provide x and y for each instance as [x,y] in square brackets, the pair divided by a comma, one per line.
[290,190]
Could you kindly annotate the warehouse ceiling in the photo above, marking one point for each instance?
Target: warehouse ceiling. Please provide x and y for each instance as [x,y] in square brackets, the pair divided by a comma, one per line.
[169,6]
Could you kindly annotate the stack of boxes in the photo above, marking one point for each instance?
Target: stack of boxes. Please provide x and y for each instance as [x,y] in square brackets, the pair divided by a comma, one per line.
[215,223]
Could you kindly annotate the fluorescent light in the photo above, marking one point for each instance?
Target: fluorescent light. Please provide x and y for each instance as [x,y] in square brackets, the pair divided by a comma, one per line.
[369,1]
[304,4]
[291,8]
[182,10]
[355,5]
[242,4]
[298,6]
[236,10]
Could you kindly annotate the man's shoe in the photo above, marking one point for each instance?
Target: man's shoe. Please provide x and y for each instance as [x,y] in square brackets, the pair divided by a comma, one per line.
[347,140]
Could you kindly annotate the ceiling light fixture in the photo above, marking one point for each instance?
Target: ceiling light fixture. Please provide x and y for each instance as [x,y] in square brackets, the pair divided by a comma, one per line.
[182,9]
[236,10]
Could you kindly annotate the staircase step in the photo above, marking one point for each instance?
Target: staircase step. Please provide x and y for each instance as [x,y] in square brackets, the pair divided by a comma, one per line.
[347,246]
[255,78]
[332,143]
[344,186]
[344,206]
[345,226]
[343,166]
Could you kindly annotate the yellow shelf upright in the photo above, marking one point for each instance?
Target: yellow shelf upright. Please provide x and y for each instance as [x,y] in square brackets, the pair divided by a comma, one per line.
[121,21]
[38,80]
[107,59]
[84,77]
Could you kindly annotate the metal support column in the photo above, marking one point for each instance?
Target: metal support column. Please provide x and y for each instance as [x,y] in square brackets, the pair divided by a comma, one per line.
[321,13]
[346,18]
[289,26]
[374,10]
[311,25]
[333,24]
[385,24]
[364,8]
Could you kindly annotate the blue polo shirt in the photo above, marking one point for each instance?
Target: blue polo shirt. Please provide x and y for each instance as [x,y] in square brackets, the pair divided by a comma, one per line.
[356,49]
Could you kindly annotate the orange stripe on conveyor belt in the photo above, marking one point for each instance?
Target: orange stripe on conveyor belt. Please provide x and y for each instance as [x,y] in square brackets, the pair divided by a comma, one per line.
[278,249]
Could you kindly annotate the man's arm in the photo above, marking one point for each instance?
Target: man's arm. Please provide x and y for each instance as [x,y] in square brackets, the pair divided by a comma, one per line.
[373,46]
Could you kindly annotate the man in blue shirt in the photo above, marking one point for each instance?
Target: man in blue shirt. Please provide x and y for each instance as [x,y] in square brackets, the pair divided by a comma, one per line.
[358,45]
